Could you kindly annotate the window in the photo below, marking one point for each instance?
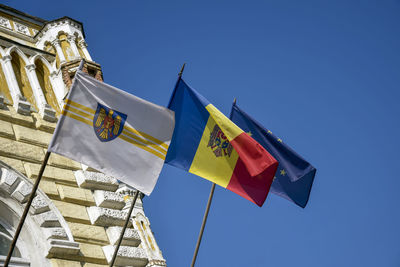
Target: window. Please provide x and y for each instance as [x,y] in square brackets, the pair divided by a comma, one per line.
[5,242]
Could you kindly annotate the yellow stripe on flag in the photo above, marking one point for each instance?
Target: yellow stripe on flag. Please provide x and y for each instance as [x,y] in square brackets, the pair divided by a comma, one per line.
[133,142]
[77,111]
[207,165]
[144,141]
[77,105]
[230,129]
[76,117]
[145,135]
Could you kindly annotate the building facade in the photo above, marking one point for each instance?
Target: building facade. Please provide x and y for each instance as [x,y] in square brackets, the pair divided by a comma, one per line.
[77,215]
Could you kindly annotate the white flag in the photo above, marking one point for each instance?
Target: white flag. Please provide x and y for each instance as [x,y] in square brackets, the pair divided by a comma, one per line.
[114,132]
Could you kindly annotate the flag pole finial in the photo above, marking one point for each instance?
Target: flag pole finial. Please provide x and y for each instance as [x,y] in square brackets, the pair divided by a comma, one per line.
[183,67]
[234,101]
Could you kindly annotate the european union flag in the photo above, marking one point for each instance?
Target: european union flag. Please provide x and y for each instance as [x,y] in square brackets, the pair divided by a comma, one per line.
[294,177]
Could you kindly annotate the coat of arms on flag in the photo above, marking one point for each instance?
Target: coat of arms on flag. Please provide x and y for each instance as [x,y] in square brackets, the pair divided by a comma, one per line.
[219,143]
[108,123]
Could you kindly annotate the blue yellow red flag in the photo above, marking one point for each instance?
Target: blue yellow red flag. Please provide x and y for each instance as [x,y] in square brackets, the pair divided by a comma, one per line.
[294,177]
[208,144]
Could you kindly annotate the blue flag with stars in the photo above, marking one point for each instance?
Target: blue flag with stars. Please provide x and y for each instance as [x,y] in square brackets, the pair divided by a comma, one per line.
[294,177]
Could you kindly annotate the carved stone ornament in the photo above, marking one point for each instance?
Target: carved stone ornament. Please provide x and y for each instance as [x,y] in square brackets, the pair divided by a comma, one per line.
[21,28]
[5,23]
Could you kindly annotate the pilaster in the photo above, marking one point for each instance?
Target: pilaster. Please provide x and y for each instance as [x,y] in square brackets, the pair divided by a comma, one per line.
[60,53]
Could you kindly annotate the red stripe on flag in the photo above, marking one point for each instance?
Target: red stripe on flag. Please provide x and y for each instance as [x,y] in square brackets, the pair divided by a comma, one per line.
[255,158]
[253,188]
[254,170]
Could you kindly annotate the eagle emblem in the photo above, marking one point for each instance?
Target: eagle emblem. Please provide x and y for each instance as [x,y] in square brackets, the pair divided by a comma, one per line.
[219,143]
[108,123]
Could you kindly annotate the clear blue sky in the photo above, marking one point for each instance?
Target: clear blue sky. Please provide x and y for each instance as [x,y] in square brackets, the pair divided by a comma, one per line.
[322,75]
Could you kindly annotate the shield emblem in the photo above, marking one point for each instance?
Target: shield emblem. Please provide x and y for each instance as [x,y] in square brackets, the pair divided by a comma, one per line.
[108,123]
[219,143]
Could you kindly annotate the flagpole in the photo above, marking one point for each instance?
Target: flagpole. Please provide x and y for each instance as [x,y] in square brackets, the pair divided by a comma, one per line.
[182,69]
[121,236]
[203,224]
[28,205]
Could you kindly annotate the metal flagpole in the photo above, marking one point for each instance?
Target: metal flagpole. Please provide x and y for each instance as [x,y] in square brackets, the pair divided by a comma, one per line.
[32,195]
[121,236]
[28,205]
[204,220]
[203,224]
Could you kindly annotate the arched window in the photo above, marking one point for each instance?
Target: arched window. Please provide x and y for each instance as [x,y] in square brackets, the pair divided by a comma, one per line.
[43,75]
[5,242]
[18,65]
[49,48]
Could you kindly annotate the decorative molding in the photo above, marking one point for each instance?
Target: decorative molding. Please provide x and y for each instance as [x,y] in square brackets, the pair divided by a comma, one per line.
[2,102]
[21,28]
[156,263]
[30,67]
[23,106]
[96,180]
[131,236]
[5,23]
[39,205]
[48,113]
[107,199]
[56,233]
[82,44]
[127,256]
[6,58]
[106,217]
[71,38]
[58,24]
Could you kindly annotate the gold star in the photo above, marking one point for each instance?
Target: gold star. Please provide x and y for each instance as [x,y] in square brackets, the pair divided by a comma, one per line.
[279,140]
[283,173]
[249,133]
[269,132]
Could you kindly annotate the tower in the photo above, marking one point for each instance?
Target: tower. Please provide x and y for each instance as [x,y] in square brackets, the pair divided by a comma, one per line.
[77,214]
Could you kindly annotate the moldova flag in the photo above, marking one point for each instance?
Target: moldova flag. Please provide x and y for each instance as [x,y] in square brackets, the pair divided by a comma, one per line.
[208,144]
[295,176]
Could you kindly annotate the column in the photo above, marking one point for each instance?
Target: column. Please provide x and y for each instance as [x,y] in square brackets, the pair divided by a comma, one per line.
[20,103]
[58,86]
[71,40]
[45,110]
[83,45]
[60,53]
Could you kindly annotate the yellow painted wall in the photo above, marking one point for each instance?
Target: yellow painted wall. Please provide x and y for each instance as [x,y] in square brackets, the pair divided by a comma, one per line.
[66,48]
[51,49]
[18,65]
[43,75]
[4,86]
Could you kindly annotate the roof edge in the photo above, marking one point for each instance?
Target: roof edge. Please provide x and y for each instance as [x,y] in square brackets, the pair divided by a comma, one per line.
[22,15]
